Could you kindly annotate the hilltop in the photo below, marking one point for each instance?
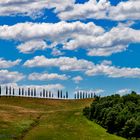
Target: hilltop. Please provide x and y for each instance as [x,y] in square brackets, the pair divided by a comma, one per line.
[44,119]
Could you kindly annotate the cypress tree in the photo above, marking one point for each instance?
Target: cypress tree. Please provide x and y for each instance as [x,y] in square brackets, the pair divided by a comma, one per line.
[78,95]
[19,92]
[40,94]
[28,91]
[61,94]
[91,95]
[67,95]
[49,94]
[46,94]
[0,90]
[6,90]
[83,95]
[13,92]
[58,94]
[10,91]
[34,92]
[75,95]
[22,91]
[86,95]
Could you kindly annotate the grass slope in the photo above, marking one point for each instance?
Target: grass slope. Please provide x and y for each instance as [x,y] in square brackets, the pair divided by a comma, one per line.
[42,119]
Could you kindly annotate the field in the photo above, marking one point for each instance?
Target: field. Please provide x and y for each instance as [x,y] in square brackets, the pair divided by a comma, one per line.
[44,119]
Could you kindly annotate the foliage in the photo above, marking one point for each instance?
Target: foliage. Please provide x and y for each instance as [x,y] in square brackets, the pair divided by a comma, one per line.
[118,114]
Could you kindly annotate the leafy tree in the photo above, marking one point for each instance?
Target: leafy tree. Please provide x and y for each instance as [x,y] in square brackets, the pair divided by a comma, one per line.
[119,115]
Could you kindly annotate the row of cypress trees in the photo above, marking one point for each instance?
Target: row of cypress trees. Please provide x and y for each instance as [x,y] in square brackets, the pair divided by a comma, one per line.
[60,95]
[83,95]
[32,92]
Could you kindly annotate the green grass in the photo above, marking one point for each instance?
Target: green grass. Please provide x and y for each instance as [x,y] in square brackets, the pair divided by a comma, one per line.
[42,119]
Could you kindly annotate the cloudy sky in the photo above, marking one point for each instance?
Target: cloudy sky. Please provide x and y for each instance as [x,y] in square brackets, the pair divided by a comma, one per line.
[71,44]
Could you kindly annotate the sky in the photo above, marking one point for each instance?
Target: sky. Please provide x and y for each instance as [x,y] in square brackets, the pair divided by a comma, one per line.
[71,45]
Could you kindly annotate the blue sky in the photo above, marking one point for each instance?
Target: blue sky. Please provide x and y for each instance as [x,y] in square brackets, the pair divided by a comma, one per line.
[71,45]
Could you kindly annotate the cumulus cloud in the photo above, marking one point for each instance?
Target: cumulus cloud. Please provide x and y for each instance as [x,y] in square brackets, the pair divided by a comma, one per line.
[124,91]
[128,10]
[102,9]
[8,63]
[47,76]
[50,31]
[64,63]
[90,9]
[10,77]
[77,79]
[90,69]
[113,41]
[69,10]
[114,72]
[32,46]
[32,8]
[72,36]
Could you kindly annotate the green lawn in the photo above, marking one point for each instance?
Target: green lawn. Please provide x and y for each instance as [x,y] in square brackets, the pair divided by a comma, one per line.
[41,119]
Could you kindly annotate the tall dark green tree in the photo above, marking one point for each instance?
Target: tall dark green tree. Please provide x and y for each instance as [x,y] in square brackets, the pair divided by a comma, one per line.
[0,90]
[6,91]
[67,95]
[29,92]
[22,91]
[19,92]
[61,94]
[13,92]
[58,94]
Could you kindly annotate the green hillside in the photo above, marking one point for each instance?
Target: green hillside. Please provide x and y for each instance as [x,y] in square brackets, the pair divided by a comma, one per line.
[42,119]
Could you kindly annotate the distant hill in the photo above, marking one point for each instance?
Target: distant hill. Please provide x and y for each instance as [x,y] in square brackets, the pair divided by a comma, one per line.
[44,119]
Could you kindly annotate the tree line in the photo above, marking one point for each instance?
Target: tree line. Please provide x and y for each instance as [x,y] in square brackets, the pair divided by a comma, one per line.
[83,95]
[120,115]
[32,92]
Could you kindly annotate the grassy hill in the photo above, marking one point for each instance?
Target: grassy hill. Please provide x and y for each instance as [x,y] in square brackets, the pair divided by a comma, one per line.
[42,119]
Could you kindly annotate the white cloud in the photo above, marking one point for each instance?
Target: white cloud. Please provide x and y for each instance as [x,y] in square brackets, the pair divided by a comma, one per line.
[8,63]
[68,10]
[32,8]
[10,77]
[124,91]
[47,76]
[32,46]
[113,41]
[98,91]
[114,72]
[64,63]
[58,32]
[90,69]
[128,10]
[125,10]
[71,36]
[90,9]
[77,79]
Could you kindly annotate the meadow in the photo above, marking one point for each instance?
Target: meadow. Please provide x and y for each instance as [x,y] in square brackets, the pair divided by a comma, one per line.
[44,119]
